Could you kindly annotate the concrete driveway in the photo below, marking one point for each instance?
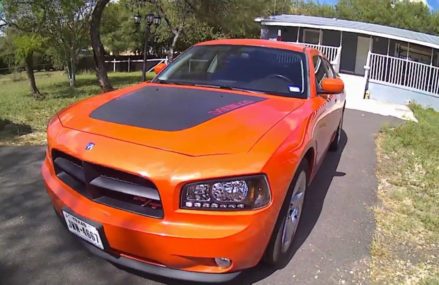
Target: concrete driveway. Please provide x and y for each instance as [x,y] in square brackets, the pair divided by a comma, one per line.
[332,246]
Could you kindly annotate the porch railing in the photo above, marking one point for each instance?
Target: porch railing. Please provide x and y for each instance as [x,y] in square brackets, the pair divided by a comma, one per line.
[331,53]
[404,73]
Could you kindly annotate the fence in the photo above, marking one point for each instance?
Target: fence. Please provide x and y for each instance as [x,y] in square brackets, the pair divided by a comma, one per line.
[133,64]
[332,53]
[404,73]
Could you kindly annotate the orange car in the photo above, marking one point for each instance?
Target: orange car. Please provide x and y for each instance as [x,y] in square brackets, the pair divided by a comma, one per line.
[201,173]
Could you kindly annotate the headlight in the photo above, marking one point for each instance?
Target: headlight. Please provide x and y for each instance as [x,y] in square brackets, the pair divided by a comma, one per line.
[240,193]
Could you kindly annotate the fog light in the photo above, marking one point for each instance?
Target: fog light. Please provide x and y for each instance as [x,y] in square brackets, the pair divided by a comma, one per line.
[223,262]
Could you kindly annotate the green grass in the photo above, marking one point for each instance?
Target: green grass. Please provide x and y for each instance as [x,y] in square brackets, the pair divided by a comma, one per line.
[23,119]
[405,249]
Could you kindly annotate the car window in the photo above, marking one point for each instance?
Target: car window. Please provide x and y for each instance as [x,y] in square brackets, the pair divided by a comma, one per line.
[320,69]
[330,70]
[269,70]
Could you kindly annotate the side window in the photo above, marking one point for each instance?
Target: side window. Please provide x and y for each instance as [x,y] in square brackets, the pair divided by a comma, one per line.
[320,69]
[330,70]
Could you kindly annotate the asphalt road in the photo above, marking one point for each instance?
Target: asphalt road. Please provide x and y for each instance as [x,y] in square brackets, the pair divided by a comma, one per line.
[332,246]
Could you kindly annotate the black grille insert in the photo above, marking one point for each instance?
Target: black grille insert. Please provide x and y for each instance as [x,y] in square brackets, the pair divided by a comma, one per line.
[108,186]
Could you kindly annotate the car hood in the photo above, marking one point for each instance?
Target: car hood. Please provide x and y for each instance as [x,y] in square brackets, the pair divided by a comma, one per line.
[193,121]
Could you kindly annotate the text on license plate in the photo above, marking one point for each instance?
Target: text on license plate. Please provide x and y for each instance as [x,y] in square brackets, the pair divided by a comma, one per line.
[83,230]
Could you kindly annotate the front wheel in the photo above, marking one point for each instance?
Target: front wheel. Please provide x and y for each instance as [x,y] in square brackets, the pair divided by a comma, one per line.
[281,243]
[336,142]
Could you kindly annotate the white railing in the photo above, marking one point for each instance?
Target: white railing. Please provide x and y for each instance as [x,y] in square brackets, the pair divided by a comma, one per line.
[133,61]
[404,72]
[331,53]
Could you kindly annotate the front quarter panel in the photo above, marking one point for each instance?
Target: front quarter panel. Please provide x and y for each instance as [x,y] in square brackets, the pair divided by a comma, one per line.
[287,142]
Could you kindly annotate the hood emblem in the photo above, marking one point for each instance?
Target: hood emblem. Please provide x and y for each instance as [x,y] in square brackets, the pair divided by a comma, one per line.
[89,146]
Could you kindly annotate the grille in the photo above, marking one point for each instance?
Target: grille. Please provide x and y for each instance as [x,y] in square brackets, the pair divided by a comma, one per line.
[109,186]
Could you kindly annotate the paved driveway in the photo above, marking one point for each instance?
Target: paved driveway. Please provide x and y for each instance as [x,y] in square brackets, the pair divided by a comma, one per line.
[332,248]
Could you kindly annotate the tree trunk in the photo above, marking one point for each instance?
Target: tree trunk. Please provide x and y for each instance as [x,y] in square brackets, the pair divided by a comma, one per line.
[174,42]
[30,75]
[72,71]
[98,48]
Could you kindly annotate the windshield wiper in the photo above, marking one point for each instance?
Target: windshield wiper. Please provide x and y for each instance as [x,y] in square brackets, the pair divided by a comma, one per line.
[226,87]
[161,81]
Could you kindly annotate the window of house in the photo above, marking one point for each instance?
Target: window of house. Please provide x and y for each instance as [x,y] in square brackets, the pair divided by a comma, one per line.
[413,52]
[311,36]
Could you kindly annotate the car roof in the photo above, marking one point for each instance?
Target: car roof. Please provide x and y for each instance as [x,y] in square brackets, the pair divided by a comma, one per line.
[257,43]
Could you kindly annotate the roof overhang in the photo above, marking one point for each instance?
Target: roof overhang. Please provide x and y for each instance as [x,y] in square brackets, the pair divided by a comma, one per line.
[267,22]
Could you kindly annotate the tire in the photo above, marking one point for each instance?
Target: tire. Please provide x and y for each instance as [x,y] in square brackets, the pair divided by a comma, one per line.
[281,243]
[336,142]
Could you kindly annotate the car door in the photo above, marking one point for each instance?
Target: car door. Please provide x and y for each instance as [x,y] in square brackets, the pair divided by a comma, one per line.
[336,101]
[324,106]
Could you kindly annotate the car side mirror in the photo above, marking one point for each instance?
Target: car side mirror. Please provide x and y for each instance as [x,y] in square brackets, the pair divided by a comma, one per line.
[331,86]
[159,67]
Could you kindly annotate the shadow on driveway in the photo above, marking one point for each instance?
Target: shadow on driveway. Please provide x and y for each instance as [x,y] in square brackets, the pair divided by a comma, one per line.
[34,248]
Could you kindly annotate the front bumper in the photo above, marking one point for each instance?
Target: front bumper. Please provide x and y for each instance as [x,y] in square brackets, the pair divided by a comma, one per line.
[181,246]
[162,271]
[153,269]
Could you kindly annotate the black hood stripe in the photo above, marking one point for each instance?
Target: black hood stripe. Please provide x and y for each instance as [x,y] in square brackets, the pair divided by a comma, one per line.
[169,108]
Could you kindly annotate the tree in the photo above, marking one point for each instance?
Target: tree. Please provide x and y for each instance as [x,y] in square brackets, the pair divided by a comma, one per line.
[2,23]
[175,14]
[26,45]
[66,22]
[314,9]
[63,22]
[119,31]
[23,22]
[235,18]
[98,48]
[412,16]
[400,14]
[435,23]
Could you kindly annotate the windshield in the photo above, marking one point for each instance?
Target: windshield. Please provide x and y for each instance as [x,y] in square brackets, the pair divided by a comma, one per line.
[258,69]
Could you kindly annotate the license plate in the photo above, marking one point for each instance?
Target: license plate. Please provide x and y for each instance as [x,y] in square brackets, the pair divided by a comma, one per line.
[83,230]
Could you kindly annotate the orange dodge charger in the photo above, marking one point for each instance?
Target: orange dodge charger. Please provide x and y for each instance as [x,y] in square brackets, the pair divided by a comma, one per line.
[202,172]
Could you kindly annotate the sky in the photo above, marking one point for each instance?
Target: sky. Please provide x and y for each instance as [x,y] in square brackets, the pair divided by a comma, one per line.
[434,4]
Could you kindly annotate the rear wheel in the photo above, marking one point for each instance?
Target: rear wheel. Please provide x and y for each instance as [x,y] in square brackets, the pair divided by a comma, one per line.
[336,142]
[281,243]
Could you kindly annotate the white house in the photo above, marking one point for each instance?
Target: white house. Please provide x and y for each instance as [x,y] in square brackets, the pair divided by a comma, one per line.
[397,65]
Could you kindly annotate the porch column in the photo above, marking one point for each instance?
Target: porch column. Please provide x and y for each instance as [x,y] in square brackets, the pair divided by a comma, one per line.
[407,63]
[320,37]
[298,34]
[367,70]
[386,72]
[388,46]
[341,38]
[337,60]
[430,70]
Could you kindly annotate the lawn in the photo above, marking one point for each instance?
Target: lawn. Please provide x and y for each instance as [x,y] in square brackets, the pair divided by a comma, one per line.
[405,249]
[23,119]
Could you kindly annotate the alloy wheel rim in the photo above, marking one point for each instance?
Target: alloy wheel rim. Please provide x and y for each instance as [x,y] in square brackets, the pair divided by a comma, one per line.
[294,212]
